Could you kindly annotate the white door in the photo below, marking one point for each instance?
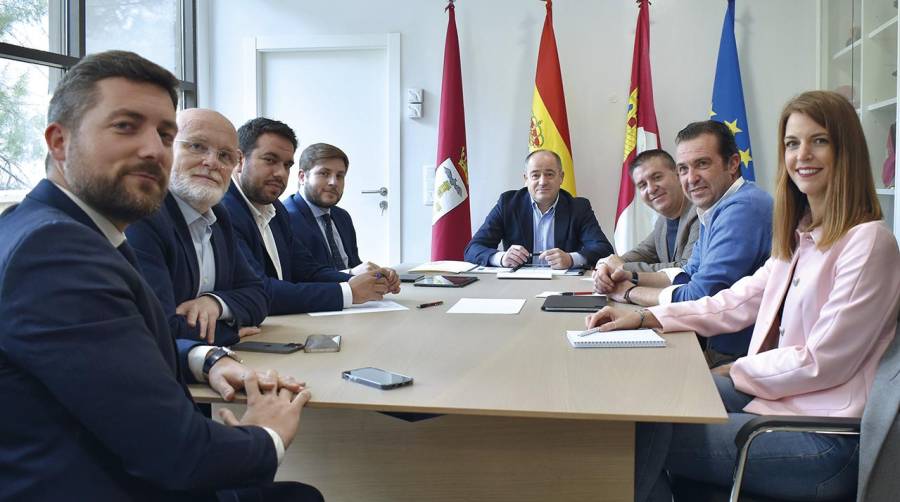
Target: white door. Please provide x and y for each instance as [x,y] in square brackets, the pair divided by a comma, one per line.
[338,90]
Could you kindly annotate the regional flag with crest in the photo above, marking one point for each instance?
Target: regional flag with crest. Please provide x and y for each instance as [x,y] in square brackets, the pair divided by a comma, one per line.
[549,122]
[451,227]
[728,94]
[634,220]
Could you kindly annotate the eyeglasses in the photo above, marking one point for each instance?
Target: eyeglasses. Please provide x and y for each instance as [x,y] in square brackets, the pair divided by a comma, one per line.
[228,158]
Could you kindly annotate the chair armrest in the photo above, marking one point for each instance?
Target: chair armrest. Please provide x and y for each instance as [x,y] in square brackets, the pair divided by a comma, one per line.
[826,425]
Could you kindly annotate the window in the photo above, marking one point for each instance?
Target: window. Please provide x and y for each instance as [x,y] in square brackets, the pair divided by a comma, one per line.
[41,39]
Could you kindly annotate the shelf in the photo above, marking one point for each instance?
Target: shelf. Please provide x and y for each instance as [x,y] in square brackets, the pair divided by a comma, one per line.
[885,191]
[846,50]
[887,104]
[888,29]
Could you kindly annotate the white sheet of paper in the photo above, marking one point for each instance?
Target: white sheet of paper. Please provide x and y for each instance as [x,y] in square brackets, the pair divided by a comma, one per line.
[487,306]
[527,273]
[446,266]
[489,270]
[364,308]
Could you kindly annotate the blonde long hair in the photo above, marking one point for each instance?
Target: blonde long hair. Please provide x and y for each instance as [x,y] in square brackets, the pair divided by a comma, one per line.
[850,196]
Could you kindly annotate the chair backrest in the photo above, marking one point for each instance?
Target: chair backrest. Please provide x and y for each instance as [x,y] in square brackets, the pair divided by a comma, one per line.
[879,449]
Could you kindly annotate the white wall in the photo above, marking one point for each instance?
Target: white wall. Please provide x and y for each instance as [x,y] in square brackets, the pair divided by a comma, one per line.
[498,44]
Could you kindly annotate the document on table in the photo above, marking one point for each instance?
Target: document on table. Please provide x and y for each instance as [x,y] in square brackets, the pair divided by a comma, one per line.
[446,266]
[489,270]
[363,308]
[487,306]
[527,273]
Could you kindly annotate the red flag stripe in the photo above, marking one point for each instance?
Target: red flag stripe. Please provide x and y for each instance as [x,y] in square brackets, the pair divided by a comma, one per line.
[548,78]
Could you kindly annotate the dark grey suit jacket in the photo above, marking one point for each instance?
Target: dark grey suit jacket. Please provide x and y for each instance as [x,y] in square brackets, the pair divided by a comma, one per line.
[652,254]
[879,448]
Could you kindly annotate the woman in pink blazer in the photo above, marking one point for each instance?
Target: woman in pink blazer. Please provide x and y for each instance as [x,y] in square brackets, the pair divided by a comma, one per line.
[825,307]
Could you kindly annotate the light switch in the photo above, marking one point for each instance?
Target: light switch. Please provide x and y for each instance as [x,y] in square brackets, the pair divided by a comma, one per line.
[414,110]
[414,95]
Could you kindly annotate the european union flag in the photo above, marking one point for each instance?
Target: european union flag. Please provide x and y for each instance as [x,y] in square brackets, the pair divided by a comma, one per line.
[728,94]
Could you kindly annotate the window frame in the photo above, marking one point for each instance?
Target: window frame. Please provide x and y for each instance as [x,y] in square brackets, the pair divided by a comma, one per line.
[74,43]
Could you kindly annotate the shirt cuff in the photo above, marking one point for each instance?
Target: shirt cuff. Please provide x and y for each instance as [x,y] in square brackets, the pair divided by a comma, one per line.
[347,294]
[578,261]
[226,312]
[196,358]
[495,259]
[279,443]
[665,296]
[672,273]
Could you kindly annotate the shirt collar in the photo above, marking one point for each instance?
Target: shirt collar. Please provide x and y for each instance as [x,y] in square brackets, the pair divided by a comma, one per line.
[534,205]
[803,229]
[191,215]
[261,212]
[112,234]
[316,210]
[703,215]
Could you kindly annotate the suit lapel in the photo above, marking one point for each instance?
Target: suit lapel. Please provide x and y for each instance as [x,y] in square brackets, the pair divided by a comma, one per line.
[682,235]
[281,233]
[561,217]
[527,223]
[184,240]
[219,246]
[304,209]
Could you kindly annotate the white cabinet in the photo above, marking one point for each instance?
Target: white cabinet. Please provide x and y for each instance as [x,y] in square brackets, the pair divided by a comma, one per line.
[858,48]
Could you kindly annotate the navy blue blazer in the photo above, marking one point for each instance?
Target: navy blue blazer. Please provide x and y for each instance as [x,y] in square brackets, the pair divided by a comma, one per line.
[306,285]
[307,231]
[168,261]
[96,407]
[511,222]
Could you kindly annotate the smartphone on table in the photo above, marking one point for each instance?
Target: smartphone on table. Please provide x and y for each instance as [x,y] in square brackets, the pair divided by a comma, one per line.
[268,347]
[378,378]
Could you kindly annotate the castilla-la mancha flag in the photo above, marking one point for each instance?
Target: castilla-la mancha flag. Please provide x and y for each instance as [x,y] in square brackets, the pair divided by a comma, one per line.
[549,122]
[450,225]
[633,219]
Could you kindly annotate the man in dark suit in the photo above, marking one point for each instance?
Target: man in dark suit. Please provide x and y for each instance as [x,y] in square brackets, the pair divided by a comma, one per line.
[188,251]
[318,223]
[97,407]
[295,281]
[540,223]
[672,240]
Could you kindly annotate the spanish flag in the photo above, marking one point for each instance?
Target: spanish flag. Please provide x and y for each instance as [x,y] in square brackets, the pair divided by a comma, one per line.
[451,228]
[633,219]
[549,123]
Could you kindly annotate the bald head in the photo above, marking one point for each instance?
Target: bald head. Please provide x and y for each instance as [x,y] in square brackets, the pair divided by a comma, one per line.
[206,152]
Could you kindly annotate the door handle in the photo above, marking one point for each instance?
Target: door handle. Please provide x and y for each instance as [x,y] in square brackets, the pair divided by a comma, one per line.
[383,191]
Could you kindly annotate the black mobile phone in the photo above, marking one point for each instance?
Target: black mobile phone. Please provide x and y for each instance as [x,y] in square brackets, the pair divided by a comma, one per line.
[411,277]
[378,378]
[268,347]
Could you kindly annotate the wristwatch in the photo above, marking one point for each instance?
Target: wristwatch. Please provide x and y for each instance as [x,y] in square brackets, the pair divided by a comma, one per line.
[213,356]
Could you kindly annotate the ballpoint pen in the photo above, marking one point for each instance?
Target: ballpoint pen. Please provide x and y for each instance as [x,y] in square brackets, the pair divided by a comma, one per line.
[589,331]
[432,304]
[578,293]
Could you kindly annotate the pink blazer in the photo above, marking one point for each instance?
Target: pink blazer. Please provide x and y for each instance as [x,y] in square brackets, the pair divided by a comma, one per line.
[837,322]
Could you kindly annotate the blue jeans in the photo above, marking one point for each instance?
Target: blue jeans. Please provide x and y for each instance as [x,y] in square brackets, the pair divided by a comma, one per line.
[789,465]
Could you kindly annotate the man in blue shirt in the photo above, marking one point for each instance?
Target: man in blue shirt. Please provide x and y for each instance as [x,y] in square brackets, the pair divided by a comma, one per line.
[735,233]
[540,223]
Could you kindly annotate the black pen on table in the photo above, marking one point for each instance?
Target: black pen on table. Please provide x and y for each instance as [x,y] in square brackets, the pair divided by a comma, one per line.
[431,304]
[531,256]
[578,293]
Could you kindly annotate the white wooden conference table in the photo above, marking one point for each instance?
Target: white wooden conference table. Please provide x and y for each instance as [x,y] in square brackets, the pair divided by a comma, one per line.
[524,416]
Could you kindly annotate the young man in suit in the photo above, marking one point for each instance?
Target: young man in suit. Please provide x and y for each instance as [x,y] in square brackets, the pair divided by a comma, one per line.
[296,282]
[540,223]
[325,229]
[672,239]
[96,384]
[735,234]
[188,251]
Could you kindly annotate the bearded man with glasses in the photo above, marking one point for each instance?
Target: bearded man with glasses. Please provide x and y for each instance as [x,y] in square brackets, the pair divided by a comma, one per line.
[188,251]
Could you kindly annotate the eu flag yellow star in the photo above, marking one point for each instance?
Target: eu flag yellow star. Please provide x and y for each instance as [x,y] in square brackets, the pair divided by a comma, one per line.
[733,126]
[746,159]
[711,113]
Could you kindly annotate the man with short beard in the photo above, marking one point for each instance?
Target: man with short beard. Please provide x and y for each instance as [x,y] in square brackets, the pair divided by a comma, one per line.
[295,281]
[97,407]
[188,251]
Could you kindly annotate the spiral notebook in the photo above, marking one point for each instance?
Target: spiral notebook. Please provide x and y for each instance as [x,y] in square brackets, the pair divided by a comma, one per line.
[627,338]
